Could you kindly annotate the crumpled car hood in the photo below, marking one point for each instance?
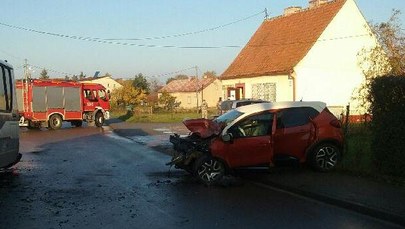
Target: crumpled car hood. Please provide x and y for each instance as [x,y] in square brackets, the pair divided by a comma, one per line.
[203,127]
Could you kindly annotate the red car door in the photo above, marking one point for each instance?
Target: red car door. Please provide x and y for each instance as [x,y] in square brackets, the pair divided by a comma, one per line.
[295,132]
[252,142]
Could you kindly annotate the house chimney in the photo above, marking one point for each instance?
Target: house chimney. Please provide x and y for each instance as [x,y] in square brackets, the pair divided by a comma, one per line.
[292,10]
[316,3]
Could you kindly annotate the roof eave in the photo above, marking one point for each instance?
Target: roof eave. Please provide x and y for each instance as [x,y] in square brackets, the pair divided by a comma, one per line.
[272,73]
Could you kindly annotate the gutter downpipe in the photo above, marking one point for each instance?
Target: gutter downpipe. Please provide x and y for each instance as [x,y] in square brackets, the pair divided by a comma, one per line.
[291,76]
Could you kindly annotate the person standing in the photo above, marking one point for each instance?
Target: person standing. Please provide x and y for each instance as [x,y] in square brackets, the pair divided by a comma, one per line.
[204,109]
[219,110]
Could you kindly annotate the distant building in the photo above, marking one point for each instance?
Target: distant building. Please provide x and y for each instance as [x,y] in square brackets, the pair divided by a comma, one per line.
[305,54]
[107,81]
[190,92]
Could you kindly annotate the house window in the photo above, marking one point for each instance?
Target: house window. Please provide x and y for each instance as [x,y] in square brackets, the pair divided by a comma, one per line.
[189,99]
[264,91]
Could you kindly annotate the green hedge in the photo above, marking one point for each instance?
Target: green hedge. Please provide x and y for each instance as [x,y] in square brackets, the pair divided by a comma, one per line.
[387,97]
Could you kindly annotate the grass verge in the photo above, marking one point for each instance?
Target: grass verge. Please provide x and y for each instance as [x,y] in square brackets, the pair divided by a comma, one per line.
[358,158]
[158,117]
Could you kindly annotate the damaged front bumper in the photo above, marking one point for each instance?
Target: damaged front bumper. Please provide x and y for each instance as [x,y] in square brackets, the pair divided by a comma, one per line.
[187,149]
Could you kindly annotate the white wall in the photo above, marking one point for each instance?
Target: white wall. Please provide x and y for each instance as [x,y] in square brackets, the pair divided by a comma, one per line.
[330,71]
[284,86]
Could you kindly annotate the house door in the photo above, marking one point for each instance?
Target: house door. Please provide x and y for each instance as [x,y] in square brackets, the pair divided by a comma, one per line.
[231,93]
[235,93]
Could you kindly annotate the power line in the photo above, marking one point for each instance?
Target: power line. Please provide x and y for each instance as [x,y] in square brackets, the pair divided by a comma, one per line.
[172,73]
[11,55]
[115,41]
[98,40]
[31,65]
[188,33]
[307,42]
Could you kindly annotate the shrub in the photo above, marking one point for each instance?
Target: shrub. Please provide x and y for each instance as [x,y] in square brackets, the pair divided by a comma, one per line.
[387,97]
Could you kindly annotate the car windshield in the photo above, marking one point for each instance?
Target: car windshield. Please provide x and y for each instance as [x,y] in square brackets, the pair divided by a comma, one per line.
[228,117]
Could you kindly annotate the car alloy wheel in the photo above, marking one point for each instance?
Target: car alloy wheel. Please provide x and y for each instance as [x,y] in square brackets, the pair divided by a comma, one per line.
[326,157]
[210,170]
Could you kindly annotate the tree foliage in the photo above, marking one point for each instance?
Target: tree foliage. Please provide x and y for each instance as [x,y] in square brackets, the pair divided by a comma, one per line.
[128,94]
[141,82]
[387,58]
[168,101]
[388,107]
[44,74]
[82,76]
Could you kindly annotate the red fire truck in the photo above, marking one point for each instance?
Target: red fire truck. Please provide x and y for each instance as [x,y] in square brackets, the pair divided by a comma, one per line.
[47,103]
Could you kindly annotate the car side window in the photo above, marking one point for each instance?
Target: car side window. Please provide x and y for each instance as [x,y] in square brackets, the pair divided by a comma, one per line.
[297,116]
[5,89]
[253,126]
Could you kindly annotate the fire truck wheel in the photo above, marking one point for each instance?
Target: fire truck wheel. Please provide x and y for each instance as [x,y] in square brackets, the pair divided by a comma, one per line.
[55,122]
[32,125]
[99,119]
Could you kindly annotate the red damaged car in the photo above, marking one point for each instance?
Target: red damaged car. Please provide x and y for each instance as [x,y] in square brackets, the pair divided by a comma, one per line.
[260,135]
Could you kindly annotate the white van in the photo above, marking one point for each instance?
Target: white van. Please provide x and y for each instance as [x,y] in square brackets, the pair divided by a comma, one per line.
[9,129]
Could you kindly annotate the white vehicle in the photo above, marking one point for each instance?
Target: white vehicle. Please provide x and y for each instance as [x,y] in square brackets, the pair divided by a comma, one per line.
[232,104]
[9,129]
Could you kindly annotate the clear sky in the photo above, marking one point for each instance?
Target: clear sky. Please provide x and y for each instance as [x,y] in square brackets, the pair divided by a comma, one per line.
[140,19]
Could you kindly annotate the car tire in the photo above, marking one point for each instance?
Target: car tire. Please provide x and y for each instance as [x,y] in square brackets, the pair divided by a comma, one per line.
[55,122]
[209,170]
[99,119]
[324,157]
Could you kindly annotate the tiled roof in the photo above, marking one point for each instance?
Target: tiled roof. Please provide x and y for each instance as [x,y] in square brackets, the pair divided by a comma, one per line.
[187,85]
[280,43]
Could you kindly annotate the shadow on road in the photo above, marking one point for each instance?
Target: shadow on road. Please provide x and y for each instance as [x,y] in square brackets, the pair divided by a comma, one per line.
[114,120]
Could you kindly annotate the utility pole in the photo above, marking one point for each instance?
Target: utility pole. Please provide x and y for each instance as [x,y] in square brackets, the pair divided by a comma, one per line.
[196,77]
[27,78]
[27,74]
[200,86]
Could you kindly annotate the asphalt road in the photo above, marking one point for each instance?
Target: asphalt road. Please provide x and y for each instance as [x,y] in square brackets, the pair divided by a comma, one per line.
[91,178]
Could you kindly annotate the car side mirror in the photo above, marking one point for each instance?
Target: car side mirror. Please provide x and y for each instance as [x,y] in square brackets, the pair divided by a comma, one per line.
[227,137]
